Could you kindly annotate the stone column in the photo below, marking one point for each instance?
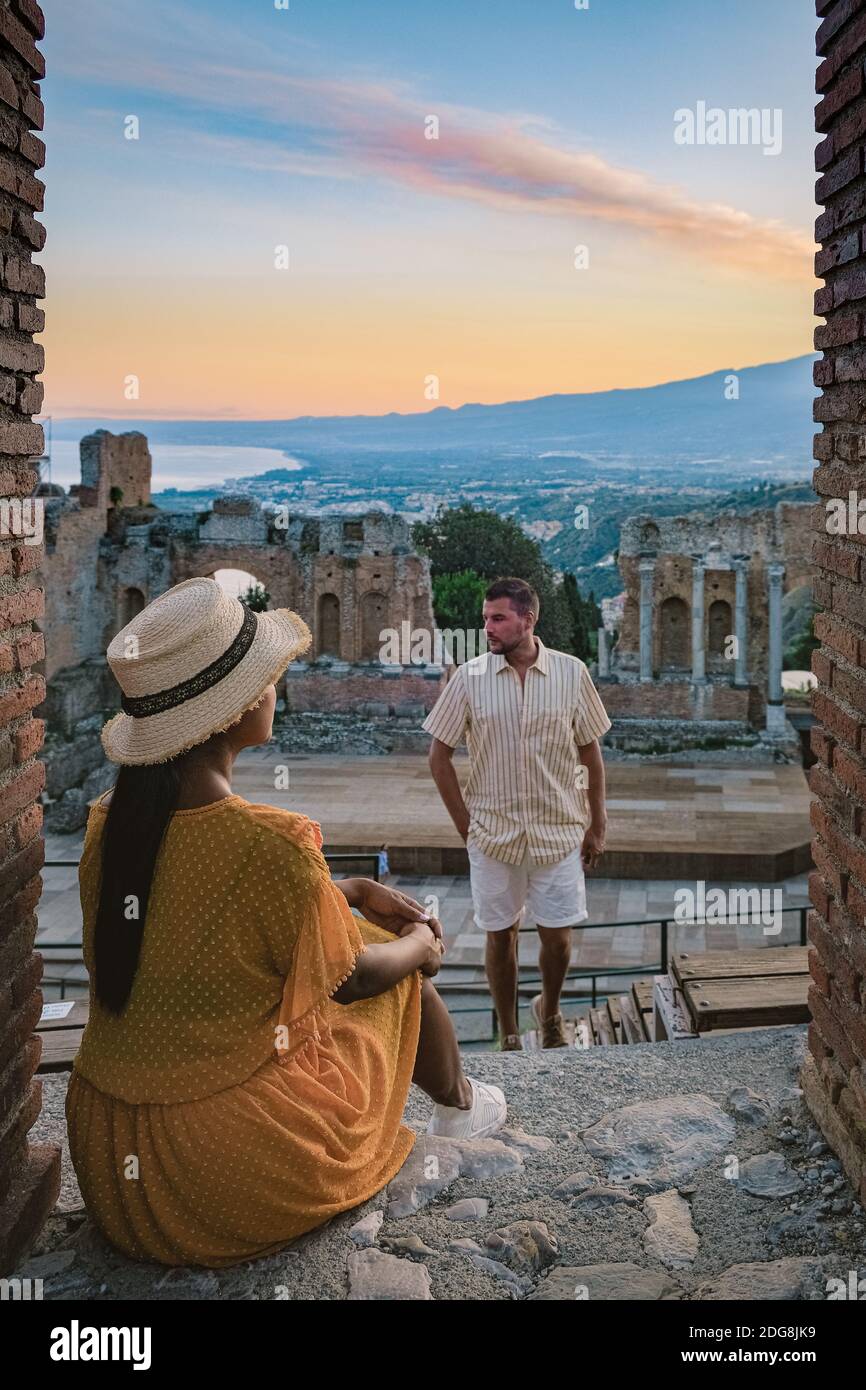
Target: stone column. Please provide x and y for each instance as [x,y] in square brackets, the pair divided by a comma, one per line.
[775,707]
[699,668]
[741,619]
[647,568]
[603,654]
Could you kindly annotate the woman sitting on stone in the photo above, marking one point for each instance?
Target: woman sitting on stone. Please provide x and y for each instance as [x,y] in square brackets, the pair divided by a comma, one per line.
[251,1041]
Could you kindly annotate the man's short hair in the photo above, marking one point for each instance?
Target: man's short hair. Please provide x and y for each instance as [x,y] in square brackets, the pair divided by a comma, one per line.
[522,595]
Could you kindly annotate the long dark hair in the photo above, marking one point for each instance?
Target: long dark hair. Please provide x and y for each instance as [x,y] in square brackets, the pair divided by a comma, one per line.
[142,803]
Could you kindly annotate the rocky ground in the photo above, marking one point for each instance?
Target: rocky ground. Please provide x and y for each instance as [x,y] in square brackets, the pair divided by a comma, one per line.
[659,1171]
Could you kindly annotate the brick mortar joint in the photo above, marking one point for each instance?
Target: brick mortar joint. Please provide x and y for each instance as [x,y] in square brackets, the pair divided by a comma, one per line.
[842,663]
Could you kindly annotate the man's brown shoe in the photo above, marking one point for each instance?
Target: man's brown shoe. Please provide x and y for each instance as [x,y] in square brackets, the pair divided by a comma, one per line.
[551,1029]
[511,1043]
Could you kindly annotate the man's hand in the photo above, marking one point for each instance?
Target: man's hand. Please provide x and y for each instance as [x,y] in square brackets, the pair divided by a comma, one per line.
[593,845]
[388,908]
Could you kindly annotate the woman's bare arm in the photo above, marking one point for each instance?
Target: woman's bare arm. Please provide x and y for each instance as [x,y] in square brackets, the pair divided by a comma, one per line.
[383,964]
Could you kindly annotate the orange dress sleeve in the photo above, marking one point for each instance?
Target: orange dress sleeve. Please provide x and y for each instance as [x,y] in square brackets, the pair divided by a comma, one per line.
[314,938]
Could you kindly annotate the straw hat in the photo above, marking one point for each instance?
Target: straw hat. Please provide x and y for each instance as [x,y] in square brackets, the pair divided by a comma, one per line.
[190,665]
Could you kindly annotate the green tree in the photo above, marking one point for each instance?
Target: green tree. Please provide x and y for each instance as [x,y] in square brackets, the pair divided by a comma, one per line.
[458,599]
[466,538]
[798,653]
[581,615]
[256,597]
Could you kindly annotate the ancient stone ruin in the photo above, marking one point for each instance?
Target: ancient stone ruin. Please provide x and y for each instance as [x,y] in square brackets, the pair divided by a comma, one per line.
[109,551]
[701,631]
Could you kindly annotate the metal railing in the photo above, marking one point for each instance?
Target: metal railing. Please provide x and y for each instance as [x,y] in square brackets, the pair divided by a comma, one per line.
[456,988]
[593,998]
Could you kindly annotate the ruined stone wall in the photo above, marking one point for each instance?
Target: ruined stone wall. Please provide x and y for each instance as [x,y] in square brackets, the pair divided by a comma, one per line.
[350,578]
[29,1173]
[783,533]
[834,1076]
[84,594]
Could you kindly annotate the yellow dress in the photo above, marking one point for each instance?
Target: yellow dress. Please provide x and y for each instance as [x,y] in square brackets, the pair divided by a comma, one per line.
[233,1105]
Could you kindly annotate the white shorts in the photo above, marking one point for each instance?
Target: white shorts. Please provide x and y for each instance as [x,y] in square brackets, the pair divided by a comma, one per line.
[554,893]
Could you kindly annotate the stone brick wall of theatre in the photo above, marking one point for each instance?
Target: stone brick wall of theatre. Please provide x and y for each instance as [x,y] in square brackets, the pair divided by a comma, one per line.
[834,1076]
[29,1174]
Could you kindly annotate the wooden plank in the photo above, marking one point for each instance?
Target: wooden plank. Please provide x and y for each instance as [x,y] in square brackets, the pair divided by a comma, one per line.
[671,1021]
[742,1003]
[631,1030]
[76,1018]
[726,965]
[59,1047]
[601,1027]
[613,1014]
[642,994]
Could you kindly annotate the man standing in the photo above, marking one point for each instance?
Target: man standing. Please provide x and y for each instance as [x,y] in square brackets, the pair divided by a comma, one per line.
[534,812]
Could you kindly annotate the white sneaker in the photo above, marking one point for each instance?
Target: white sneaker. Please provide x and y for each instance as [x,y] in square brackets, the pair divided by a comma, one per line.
[485,1116]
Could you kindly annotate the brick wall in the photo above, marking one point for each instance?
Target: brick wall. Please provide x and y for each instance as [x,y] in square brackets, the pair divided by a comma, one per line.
[834,1075]
[29,1173]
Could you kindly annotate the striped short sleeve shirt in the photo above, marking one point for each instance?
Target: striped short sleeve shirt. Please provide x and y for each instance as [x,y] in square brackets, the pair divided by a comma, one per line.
[526,787]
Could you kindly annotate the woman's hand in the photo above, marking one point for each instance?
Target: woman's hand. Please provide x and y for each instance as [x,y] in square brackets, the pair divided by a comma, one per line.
[388,908]
[429,966]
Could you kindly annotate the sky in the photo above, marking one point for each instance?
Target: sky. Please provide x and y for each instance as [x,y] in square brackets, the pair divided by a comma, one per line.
[282,238]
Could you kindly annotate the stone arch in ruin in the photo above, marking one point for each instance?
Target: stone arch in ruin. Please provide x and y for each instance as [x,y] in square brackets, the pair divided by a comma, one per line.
[674,635]
[719,626]
[373,621]
[131,601]
[328,626]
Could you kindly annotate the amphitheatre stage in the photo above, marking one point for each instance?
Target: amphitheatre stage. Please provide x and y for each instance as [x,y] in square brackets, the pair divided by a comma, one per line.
[665,820]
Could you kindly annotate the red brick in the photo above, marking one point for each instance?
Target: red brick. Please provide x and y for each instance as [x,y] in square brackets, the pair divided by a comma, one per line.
[21,791]
[30,397]
[847,285]
[835,719]
[33,149]
[21,608]
[846,403]
[22,42]
[25,226]
[847,601]
[821,743]
[24,277]
[8,89]
[830,870]
[844,171]
[851,41]
[846,90]
[832,555]
[18,356]
[818,893]
[851,687]
[850,770]
[29,739]
[834,634]
[823,371]
[32,16]
[31,648]
[33,109]
[17,872]
[822,667]
[28,825]
[825,153]
[30,318]
[841,328]
[818,973]
[26,559]
[852,127]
